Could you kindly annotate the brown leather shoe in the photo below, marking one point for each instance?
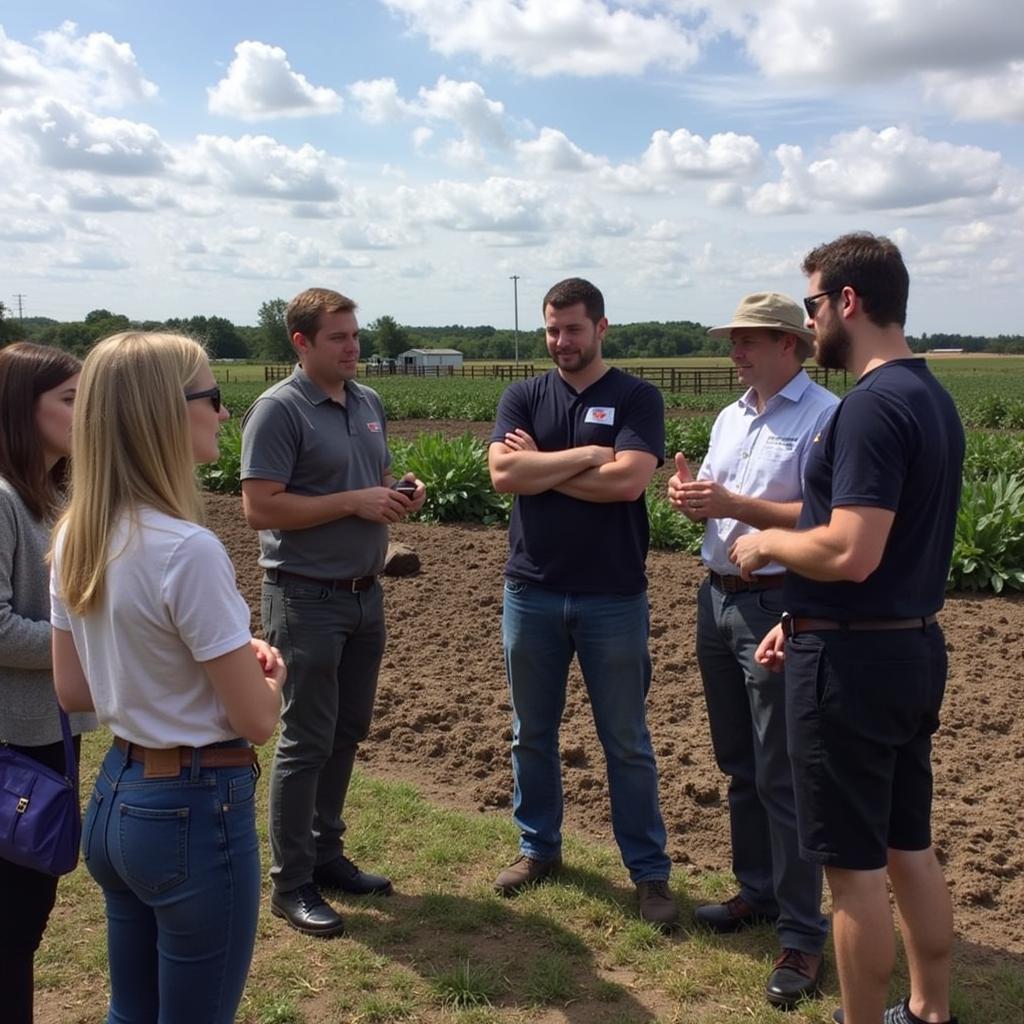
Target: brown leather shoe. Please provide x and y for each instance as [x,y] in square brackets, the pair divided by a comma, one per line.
[524,871]
[731,916]
[657,905]
[795,976]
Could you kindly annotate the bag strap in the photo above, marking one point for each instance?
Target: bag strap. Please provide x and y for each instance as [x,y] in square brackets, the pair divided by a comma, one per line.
[70,762]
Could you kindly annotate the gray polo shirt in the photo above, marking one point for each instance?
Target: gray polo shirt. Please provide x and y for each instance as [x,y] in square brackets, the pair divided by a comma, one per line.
[296,435]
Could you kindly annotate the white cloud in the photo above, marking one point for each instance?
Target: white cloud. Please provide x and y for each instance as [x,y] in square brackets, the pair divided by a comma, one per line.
[995,97]
[892,169]
[259,166]
[95,69]
[91,259]
[691,156]
[832,40]
[24,229]
[260,85]
[421,136]
[553,152]
[378,100]
[68,137]
[541,38]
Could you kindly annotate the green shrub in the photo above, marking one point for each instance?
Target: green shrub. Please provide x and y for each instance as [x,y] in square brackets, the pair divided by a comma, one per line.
[988,551]
[670,530]
[456,476]
[224,475]
[993,453]
[691,436]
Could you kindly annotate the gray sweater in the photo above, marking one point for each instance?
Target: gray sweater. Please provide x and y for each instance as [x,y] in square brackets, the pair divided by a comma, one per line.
[28,705]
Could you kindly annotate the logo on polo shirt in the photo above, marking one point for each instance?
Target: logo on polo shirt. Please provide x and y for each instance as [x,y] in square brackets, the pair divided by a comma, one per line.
[604,414]
[373,427]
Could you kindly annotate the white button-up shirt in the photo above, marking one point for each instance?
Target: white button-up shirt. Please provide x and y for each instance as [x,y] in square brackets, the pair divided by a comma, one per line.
[762,456]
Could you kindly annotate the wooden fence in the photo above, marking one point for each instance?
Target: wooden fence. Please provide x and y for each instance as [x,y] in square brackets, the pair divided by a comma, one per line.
[673,379]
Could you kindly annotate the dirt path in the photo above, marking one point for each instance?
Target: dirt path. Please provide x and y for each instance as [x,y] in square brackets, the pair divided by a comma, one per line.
[442,719]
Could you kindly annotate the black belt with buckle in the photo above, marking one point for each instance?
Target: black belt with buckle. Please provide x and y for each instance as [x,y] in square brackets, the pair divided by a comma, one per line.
[738,585]
[793,624]
[355,586]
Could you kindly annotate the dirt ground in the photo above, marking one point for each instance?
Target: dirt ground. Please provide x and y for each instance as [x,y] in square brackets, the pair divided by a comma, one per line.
[442,717]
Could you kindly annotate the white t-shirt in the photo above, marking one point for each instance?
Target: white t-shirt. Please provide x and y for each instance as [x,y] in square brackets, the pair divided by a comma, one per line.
[170,601]
[762,456]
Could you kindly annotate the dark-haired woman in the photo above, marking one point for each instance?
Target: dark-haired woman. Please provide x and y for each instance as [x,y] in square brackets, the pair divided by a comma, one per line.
[37,394]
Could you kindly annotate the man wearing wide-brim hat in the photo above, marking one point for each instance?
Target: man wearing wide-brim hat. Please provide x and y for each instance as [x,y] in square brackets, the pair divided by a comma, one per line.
[751,479]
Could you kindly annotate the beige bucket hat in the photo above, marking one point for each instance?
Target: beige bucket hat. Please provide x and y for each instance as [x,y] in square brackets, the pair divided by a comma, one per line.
[771,310]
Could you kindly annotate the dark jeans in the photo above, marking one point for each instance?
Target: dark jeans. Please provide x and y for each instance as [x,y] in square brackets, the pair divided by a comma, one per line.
[332,641]
[747,716]
[26,899]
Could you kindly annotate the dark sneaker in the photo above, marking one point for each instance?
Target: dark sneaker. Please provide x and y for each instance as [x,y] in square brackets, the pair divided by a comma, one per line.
[524,871]
[731,916]
[657,905]
[898,1014]
[795,976]
[307,911]
[344,875]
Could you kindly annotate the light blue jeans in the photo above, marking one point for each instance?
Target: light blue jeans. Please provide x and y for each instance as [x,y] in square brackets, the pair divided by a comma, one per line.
[542,630]
[178,862]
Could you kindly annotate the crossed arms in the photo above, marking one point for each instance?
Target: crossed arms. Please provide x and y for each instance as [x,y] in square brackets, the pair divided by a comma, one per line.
[591,472]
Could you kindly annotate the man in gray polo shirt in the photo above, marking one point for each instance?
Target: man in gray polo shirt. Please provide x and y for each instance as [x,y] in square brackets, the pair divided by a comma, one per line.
[317,484]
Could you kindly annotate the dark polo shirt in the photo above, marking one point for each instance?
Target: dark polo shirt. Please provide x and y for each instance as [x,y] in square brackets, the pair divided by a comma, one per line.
[587,547]
[296,435]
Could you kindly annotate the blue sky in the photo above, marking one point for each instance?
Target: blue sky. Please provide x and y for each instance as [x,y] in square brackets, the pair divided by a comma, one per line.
[200,158]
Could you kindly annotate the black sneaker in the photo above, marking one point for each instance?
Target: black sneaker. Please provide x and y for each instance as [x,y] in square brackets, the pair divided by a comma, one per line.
[342,874]
[307,911]
[897,1014]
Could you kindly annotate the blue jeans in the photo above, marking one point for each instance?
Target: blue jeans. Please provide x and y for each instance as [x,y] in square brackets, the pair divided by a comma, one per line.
[178,861]
[542,630]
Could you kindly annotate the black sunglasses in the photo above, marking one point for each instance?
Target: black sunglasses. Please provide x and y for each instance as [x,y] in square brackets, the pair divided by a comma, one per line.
[811,302]
[213,394]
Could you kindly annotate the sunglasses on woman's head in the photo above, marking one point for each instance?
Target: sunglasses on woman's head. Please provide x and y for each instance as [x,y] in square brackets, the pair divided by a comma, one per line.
[213,394]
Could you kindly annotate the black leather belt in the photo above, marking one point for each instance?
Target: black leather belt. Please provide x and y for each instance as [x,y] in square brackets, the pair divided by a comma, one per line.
[356,586]
[793,624]
[738,585]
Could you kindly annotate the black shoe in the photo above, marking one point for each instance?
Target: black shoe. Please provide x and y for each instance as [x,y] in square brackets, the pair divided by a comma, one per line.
[795,976]
[731,916]
[307,912]
[344,875]
[897,1014]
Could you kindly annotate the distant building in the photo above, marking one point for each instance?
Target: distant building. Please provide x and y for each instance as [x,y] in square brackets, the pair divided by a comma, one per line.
[413,358]
[945,351]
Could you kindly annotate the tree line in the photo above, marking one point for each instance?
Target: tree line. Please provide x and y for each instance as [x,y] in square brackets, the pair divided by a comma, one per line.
[268,340]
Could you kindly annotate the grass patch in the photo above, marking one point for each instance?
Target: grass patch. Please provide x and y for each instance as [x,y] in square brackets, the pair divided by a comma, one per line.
[446,950]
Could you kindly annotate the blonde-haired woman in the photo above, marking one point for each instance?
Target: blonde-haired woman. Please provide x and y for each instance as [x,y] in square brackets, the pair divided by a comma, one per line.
[150,630]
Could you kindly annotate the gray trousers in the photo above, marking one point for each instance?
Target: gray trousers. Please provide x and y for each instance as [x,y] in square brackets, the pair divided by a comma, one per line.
[332,642]
[747,713]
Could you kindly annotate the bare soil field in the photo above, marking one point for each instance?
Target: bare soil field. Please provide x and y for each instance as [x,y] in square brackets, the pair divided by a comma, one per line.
[443,720]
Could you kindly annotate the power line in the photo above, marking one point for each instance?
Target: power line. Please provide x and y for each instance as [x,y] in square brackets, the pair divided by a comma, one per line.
[20,296]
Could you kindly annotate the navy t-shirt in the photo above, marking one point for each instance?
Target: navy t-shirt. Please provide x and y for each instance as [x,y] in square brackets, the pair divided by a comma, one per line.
[564,543]
[895,442]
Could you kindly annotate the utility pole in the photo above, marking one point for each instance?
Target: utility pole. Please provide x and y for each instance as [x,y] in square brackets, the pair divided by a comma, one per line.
[19,296]
[514,278]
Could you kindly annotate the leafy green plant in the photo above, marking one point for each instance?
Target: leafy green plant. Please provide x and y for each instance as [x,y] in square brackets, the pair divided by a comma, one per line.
[988,549]
[691,436]
[670,530]
[224,475]
[455,473]
[988,453]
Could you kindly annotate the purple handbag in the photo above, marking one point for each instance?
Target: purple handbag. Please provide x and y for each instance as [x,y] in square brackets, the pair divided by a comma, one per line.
[40,817]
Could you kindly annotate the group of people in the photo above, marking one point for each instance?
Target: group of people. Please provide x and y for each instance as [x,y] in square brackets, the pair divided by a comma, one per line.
[828,535]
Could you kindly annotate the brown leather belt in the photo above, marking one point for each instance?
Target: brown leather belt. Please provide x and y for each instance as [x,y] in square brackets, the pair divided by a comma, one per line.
[738,585]
[355,586]
[793,624]
[168,761]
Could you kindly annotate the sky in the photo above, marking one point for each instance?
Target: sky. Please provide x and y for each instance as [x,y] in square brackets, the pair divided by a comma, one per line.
[169,160]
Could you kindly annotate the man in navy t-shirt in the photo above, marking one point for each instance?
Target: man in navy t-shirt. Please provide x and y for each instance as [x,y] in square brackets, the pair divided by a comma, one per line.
[865,659]
[578,447]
